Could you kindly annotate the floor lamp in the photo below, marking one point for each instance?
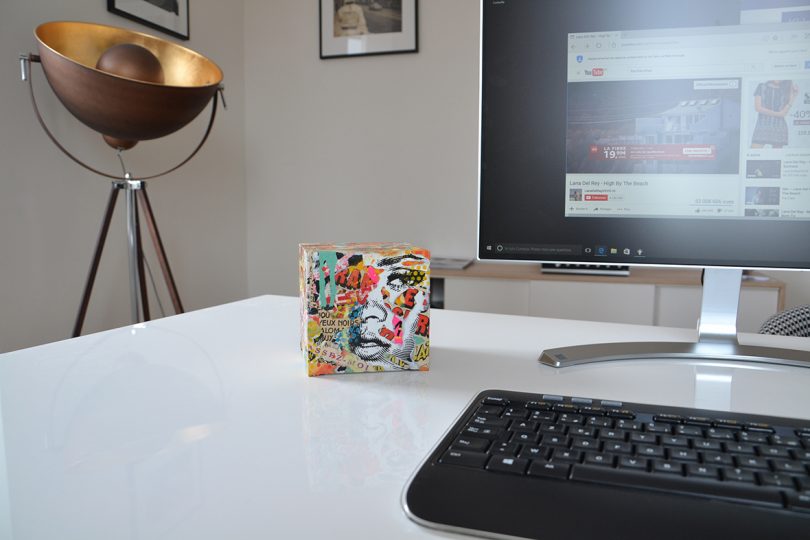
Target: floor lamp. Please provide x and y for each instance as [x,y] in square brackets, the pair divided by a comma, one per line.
[129,87]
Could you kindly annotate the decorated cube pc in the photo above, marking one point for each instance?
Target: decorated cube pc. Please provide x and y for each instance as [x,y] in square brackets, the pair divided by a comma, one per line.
[364,307]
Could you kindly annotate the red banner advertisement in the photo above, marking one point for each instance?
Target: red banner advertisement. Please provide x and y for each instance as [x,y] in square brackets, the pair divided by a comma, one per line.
[657,152]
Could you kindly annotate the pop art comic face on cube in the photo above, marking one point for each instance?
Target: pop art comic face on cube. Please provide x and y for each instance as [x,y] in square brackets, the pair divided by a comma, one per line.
[383,302]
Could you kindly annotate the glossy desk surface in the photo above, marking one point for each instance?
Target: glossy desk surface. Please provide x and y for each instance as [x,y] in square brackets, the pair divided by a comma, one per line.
[205,425]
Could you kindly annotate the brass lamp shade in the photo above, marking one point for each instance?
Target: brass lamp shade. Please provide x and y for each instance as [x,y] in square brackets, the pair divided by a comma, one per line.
[116,106]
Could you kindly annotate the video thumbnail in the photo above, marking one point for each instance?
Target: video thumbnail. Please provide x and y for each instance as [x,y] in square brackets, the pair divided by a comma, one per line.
[683,126]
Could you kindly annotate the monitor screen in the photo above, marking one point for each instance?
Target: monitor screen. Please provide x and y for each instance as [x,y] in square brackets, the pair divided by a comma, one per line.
[646,132]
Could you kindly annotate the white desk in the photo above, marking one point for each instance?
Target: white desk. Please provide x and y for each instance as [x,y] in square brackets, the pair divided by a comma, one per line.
[205,425]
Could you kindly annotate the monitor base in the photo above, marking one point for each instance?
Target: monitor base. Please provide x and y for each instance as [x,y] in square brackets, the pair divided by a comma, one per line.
[652,350]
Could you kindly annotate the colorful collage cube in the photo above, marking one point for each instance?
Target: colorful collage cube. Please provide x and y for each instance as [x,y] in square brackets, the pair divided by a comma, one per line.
[364,307]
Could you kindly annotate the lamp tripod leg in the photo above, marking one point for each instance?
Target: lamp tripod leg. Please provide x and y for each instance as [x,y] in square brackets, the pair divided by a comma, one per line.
[137,280]
[160,251]
[91,276]
[141,274]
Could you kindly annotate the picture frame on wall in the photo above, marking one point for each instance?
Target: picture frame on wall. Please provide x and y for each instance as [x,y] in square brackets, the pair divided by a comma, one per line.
[168,16]
[367,27]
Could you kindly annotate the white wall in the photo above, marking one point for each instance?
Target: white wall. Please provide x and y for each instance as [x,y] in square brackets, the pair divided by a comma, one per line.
[354,149]
[51,209]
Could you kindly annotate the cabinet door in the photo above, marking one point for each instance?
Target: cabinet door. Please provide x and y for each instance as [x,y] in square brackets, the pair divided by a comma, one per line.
[506,296]
[756,305]
[680,307]
[606,302]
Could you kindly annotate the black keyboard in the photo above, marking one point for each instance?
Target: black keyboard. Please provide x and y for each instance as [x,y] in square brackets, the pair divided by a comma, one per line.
[548,466]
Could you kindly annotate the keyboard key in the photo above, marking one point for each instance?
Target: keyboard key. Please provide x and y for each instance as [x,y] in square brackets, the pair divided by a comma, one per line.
[516,412]
[489,410]
[628,424]
[489,421]
[534,452]
[668,467]
[542,416]
[738,475]
[612,404]
[675,440]
[728,424]
[471,443]
[556,429]
[571,418]
[656,427]
[649,451]
[716,458]
[582,401]
[565,407]
[733,491]
[617,447]
[524,425]
[683,454]
[773,452]
[563,455]
[485,433]
[508,464]
[549,469]
[580,443]
[596,411]
[698,421]
[645,438]
[740,448]
[758,427]
[785,466]
[703,471]
[464,458]
[720,434]
[556,440]
[613,434]
[689,431]
[600,459]
[579,431]
[622,413]
[779,440]
[547,397]
[495,400]
[749,462]
[705,444]
[637,463]
[526,437]
[504,449]
[599,422]
[777,480]
[538,406]
[671,418]
[754,438]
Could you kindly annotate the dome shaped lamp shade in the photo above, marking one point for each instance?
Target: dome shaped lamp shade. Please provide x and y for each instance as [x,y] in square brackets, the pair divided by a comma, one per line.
[120,102]
[129,87]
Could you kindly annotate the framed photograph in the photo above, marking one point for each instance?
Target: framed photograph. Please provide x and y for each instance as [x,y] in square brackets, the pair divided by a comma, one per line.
[168,16]
[365,27]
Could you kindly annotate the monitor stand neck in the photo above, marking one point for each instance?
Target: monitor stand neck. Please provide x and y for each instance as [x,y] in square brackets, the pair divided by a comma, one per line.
[717,335]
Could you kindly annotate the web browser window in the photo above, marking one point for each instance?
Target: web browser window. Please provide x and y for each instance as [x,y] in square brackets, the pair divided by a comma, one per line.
[694,122]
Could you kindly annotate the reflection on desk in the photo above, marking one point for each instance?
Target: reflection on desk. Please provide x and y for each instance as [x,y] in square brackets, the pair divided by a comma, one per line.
[205,425]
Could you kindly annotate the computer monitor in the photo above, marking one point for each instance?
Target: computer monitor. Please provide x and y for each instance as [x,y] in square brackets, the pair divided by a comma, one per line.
[649,132]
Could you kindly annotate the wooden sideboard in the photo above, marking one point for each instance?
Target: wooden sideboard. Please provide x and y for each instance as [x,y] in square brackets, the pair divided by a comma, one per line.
[652,296]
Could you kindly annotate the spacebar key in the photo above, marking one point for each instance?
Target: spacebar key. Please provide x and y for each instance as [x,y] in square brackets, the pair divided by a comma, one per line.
[713,489]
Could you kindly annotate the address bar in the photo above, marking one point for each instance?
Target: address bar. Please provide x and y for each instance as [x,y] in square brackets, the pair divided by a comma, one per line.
[691,70]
